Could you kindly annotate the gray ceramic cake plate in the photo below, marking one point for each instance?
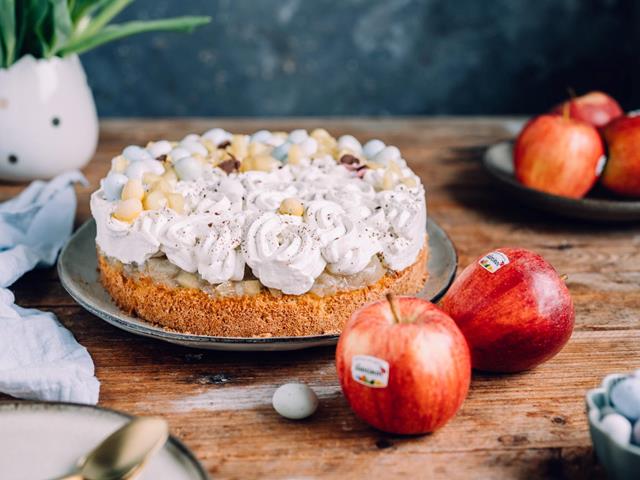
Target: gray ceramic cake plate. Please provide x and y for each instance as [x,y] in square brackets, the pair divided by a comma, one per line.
[498,162]
[77,269]
[45,440]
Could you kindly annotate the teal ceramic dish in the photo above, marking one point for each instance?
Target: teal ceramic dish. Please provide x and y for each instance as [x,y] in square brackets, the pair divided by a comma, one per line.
[622,462]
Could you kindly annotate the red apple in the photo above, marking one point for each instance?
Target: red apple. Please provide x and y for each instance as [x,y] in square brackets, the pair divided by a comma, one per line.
[403,369]
[622,172]
[513,309]
[595,108]
[558,155]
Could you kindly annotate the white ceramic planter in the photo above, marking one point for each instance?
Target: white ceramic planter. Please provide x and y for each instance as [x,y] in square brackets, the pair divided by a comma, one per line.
[48,121]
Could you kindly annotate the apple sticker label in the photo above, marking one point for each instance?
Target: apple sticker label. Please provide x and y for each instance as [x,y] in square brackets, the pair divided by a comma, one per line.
[370,371]
[494,261]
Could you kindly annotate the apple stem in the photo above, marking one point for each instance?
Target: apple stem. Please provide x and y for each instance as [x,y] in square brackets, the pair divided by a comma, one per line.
[393,304]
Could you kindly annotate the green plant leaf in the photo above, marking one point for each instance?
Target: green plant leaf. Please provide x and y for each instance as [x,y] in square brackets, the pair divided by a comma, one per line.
[108,11]
[115,32]
[31,19]
[7,32]
[60,26]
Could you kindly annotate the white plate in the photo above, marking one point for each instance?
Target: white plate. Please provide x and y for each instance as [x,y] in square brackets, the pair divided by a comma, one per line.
[598,205]
[77,269]
[44,440]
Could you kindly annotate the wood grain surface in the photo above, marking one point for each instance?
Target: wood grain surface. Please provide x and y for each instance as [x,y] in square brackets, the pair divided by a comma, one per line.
[528,425]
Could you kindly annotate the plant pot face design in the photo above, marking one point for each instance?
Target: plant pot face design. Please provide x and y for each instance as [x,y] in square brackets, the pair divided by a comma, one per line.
[48,121]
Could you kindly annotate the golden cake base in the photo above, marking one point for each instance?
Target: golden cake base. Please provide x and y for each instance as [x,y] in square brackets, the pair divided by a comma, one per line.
[190,310]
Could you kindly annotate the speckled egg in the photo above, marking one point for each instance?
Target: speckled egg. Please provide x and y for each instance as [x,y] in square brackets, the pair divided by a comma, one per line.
[618,427]
[625,397]
[295,401]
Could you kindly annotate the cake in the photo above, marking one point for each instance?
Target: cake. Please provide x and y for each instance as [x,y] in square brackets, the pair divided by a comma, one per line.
[269,234]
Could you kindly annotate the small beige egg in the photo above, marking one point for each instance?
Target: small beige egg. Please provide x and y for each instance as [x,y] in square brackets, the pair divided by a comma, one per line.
[295,401]
[133,189]
[128,210]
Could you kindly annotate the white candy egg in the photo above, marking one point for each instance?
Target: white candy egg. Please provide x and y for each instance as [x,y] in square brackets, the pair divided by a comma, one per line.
[194,147]
[162,147]
[298,136]
[295,401]
[133,153]
[349,142]
[178,153]
[309,146]
[113,184]
[387,154]
[154,166]
[618,427]
[135,170]
[192,137]
[625,397]
[261,136]
[188,168]
[281,152]
[217,136]
[372,147]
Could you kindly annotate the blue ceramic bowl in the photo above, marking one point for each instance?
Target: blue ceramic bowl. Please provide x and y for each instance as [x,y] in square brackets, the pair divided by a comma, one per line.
[622,462]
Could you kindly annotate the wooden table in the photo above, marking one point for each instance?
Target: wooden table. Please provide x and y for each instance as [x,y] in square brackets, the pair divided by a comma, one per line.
[529,425]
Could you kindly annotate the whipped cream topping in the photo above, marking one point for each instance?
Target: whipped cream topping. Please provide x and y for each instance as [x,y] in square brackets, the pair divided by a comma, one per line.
[230,220]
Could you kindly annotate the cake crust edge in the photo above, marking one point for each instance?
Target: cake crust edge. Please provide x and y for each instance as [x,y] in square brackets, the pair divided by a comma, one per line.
[193,311]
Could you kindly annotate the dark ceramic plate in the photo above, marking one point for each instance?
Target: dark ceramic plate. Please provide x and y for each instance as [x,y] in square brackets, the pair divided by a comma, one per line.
[77,268]
[498,161]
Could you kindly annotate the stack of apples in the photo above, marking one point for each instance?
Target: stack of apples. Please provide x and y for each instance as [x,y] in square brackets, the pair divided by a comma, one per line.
[580,142]
[404,364]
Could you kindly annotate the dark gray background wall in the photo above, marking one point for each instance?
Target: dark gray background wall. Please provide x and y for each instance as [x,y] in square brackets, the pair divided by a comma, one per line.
[362,57]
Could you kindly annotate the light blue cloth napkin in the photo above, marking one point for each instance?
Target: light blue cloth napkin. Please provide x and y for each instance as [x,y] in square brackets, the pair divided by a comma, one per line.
[39,358]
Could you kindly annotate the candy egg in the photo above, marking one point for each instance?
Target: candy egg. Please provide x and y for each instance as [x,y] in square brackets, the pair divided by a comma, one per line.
[178,153]
[136,170]
[133,153]
[133,189]
[625,397]
[154,200]
[387,155]
[298,136]
[351,143]
[192,137]
[618,427]
[295,401]
[119,164]
[113,185]
[162,147]
[281,152]
[372,148]
[188,168]
[261,136]
[128,210]
[309,146]
[153,166]
[217,136]
[194,147]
